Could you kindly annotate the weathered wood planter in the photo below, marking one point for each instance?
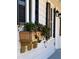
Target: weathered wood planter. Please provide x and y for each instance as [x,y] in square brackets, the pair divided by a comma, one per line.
[29,39]
[22,49]
[34,44]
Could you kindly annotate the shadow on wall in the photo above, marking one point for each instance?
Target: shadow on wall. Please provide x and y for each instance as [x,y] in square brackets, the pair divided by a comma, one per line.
[56,55]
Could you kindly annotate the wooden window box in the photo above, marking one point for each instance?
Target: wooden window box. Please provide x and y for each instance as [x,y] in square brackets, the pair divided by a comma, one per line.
[28,39]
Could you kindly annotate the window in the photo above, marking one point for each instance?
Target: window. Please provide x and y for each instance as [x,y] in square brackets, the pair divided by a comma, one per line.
[22,0]
[30,10]
[36,11]
[47,14]
[21,14]
[49,18]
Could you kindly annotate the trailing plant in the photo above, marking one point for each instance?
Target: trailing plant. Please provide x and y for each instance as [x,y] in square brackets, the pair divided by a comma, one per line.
[45,32]
[44,29]
[40,27]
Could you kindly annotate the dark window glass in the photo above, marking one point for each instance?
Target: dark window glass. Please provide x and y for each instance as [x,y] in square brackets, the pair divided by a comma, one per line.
[30,10]
[22,0]
[48,14]
[21,14]
[36,11]
[49,18]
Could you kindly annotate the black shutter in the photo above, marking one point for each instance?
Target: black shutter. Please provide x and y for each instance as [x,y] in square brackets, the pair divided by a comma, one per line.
[60,27]
[60,24]
[22,0]
[54,23]
[51,23]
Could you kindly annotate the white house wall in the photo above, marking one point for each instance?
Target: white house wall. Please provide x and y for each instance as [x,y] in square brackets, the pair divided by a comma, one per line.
[42,12]
[52,21]
[27,10]
[57,38]
[33,11]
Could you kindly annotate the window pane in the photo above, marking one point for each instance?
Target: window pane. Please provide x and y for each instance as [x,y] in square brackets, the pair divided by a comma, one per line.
[21,14]
[36,11]
[22,0]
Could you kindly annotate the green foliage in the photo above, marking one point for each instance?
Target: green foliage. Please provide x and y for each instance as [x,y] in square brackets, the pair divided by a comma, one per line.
[29,27]
[40,27]
[45,31]
[34,27]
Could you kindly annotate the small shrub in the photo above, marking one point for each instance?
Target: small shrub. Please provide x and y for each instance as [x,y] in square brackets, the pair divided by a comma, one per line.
[29,27]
